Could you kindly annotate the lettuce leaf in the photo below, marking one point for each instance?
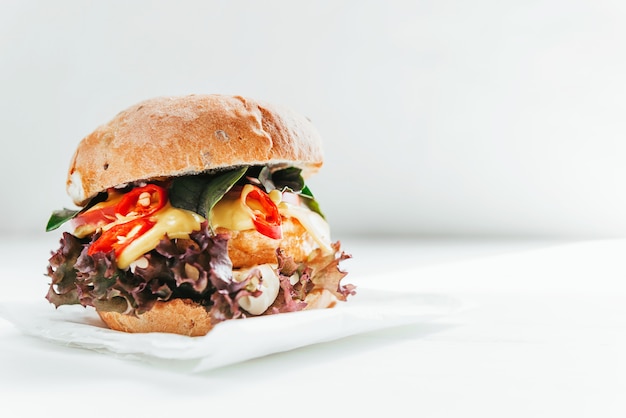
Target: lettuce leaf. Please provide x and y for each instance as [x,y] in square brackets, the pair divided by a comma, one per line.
[321,271]
[197,268]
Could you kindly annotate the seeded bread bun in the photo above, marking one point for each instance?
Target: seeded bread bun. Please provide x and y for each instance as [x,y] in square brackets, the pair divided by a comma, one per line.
[173,136]
[176,316]
[185,317]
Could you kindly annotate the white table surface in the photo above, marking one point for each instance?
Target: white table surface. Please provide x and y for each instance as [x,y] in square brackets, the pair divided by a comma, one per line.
[543,335]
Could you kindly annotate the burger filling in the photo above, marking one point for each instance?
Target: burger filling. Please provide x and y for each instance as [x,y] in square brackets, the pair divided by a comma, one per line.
[247,241]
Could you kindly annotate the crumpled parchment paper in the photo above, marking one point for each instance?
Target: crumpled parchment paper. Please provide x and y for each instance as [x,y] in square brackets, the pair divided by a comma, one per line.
[235,340]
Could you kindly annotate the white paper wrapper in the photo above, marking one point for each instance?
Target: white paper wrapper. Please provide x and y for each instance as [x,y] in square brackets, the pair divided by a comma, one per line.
[230,341]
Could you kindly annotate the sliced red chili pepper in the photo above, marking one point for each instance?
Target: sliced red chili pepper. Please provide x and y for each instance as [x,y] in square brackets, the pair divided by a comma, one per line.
[266,218]
[143,201]
[96,217]
[140,202]
[120,236]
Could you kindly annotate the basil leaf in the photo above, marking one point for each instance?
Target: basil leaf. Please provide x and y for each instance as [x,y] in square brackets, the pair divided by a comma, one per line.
[185,192]
[217,188]
[59,217]
[265,178]
[200,193]
[291,178]
[306,192]
[288,178]
[310,201]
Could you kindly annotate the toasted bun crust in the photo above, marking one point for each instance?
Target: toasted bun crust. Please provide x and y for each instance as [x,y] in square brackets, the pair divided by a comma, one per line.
[184,317]
[177,316]
[173,136]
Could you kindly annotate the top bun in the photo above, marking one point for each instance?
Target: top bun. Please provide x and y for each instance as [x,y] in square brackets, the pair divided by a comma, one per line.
[175,136]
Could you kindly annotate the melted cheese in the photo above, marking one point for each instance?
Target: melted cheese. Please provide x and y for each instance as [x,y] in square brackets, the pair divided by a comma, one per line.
[176,223]
[231,213]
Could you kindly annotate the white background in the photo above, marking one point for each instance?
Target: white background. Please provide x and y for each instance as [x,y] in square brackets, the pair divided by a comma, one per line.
[445,122]
[442,117]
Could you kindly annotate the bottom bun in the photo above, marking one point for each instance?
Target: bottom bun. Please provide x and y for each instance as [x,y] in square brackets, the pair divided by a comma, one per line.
[176,316]
[185,317]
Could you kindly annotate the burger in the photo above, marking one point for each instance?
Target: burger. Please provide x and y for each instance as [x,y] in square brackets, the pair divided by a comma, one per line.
[194,210]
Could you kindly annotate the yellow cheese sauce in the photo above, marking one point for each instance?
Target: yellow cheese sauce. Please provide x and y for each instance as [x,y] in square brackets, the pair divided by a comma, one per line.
[231,213]
[176,223]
